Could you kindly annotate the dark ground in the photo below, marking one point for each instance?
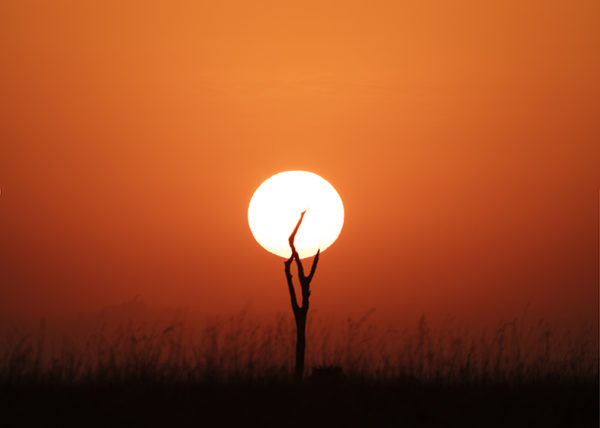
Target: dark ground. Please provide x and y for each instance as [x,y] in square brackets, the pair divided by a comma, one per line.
[328,403]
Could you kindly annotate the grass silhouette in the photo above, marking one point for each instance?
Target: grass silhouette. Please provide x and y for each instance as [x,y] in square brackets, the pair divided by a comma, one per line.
[238,369]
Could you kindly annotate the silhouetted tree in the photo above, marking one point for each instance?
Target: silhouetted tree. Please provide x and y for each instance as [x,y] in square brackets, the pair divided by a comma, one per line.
[300,311]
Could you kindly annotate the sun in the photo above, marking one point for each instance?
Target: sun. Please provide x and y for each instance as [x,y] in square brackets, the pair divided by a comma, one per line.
[276,206]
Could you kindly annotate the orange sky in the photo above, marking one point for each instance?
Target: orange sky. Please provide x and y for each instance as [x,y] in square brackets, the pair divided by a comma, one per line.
[463,138]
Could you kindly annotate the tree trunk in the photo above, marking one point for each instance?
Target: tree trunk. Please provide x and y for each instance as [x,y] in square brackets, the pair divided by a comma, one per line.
[300,343]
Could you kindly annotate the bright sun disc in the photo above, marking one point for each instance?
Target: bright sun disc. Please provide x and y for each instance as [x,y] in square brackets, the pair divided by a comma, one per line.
[276,206]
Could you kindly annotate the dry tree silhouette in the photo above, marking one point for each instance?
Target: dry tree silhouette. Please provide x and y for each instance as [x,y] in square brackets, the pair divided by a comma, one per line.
[300,312]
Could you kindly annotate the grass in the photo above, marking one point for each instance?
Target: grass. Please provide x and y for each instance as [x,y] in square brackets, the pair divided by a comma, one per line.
[239,370]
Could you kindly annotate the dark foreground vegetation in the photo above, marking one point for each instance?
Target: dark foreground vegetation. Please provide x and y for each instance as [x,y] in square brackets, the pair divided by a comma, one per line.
[274,403]
[237,372]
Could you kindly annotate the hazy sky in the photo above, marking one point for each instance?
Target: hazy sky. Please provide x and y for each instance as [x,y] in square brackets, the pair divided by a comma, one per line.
[463,138]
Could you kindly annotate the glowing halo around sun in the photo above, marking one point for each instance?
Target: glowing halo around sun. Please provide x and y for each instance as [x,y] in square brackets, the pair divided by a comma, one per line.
[276,206]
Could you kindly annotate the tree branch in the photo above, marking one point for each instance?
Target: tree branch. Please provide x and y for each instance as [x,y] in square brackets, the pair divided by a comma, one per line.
[304,280]
[290,284]
[314,266]
[293,235]
[293,247]
[288,263]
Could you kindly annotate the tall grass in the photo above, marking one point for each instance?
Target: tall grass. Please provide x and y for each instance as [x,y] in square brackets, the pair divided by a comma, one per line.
[240,347]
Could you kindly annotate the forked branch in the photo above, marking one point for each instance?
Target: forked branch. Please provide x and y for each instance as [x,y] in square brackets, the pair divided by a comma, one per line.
[304,280]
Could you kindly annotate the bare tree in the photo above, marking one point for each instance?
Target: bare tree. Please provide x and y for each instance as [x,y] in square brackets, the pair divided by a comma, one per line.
[300,311]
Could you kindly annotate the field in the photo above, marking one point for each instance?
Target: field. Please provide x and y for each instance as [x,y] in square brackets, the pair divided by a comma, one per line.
[238,370]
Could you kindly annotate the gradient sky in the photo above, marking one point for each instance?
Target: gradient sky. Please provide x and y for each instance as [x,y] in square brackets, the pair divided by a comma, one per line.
[463,138]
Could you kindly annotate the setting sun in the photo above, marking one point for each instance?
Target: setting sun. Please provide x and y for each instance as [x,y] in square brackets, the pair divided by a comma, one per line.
[277,204]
